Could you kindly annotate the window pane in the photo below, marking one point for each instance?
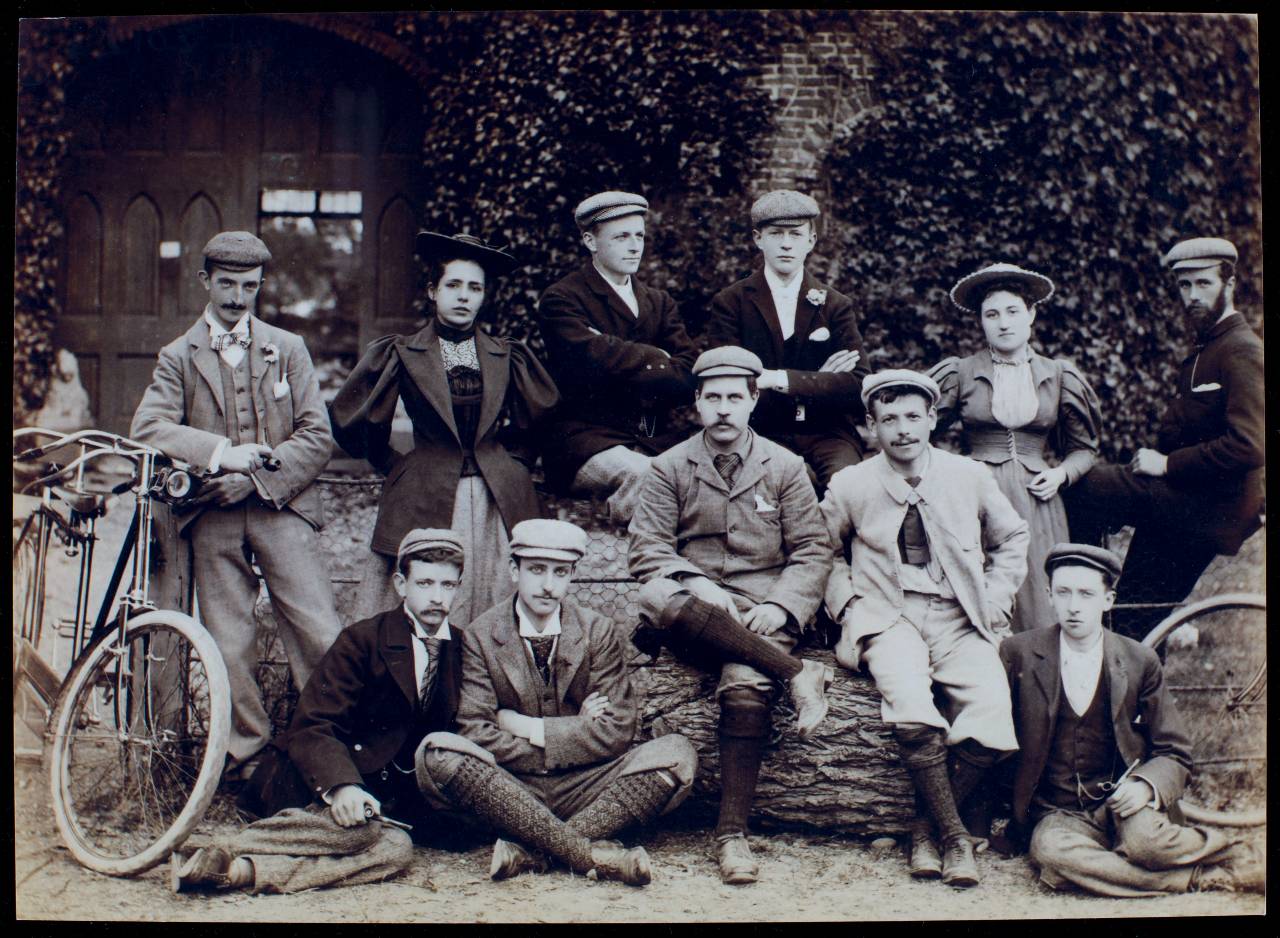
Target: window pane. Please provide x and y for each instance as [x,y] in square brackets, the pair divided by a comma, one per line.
[340,203]
[289,200]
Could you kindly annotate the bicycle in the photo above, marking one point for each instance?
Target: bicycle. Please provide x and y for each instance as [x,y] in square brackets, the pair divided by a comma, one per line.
[137,728]
[1215,666]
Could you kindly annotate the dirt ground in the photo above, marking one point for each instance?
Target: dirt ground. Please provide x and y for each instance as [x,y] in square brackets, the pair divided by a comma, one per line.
[803,877]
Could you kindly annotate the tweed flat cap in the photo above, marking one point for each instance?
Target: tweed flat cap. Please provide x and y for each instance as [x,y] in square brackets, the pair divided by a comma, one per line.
[894,377]
[1084,555]
[967,293]
[428,538]
[236,250]
[433,246]
[727,361]
[783,205]
[1199,253]
[549,539]
[604,206]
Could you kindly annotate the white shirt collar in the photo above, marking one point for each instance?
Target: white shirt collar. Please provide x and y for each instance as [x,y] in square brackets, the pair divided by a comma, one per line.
[216,328]
[527,629]
[777,286]
[785,298]
[1081,671]
[626,292]
[441,633]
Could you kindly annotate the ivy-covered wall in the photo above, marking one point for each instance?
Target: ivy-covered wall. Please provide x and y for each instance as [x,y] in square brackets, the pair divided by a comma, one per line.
[1083,146]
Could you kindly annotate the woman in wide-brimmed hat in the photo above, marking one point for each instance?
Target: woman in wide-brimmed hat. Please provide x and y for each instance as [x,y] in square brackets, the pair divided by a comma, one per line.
[474,400]
[1015,407]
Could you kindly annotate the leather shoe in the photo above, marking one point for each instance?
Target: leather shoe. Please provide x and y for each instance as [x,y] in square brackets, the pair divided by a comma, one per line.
[207,868]
[737,866]
[808,694]
[1241,870]
[511,859]
[959,868]
[620,865]
[926,862]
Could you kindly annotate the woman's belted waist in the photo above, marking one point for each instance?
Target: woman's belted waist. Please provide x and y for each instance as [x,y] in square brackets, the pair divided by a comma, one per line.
[998,446]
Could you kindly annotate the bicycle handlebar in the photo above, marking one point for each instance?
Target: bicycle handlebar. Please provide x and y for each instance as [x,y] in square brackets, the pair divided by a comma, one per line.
[106,442]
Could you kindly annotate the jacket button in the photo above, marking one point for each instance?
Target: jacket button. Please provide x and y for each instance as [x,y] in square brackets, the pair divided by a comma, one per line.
[732,528]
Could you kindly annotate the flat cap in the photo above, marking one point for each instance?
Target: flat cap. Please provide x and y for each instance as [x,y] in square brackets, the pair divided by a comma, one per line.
[604,206]
[783,205]
[1084,555]
[427,539]
[968,291]
[1198,253]
[236,250]
[549,539]
[727,361]
[900,377]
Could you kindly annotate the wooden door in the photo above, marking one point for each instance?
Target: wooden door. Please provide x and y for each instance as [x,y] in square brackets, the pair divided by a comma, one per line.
[176,135]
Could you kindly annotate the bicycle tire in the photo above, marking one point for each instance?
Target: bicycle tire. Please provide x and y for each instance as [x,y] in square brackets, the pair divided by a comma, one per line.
[1190,614]
[137,745]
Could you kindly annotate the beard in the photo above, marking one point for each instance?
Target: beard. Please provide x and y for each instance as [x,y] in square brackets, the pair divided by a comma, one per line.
[1206,317]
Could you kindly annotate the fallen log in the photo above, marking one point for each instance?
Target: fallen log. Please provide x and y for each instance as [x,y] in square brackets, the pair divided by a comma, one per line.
[846,777]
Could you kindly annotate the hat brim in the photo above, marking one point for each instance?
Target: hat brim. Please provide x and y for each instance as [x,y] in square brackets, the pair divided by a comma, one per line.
[967,293]
[609,214]
[432,246]
[547,553]
[1199,263]
[1079,560]
[726,371]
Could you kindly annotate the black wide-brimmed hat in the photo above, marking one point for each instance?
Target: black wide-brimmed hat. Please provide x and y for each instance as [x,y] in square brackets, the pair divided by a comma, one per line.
[434,246]
[967,293]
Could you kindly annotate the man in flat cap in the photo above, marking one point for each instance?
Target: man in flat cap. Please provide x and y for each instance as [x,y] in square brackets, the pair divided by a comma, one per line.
[620,356]
[1200,491]
[929,555]
[547,717]
[240,397]
[1104,754]
[348,756]
[731,550]
[806,335]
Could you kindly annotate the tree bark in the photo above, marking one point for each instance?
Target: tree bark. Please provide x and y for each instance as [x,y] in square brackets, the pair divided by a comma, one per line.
[846,777]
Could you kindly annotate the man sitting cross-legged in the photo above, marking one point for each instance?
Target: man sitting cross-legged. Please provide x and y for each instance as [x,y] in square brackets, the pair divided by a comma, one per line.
[923,595]
[547,718]
[1104,753]
[730,546]
[348,755]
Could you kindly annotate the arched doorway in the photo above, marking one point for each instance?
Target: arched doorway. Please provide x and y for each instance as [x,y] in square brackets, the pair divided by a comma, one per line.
[235,123]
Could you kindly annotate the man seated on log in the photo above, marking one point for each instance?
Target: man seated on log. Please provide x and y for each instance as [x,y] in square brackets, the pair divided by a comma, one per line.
[929,557]
[547,718]
[1104,753]
[730,547]
[347,759]
[620,355]
[806,334]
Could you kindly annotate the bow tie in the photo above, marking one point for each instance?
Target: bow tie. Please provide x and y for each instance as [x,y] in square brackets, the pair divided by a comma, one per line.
[241,339]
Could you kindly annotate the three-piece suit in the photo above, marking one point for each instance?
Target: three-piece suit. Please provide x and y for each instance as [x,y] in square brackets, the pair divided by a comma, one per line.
[194,402]
[1066,757]
[818,418]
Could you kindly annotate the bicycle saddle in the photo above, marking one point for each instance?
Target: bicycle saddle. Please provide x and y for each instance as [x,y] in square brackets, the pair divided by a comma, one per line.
[85,503]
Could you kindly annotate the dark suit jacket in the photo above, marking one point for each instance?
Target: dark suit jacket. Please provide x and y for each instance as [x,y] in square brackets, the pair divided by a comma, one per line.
[1147,726]
[357,714]
[611,370]
[182,412]
[496,676]
[1213,431]
[743,314]
[420,485]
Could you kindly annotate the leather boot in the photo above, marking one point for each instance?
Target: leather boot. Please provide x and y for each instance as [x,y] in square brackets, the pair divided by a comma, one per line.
[959,868]
[616,863]
[808,694]
[737,866]
[207,868]
[510,859]
[926,862]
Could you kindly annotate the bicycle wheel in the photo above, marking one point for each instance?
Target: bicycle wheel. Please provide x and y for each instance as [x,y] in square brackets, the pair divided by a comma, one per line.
[139,739]
[1215,666]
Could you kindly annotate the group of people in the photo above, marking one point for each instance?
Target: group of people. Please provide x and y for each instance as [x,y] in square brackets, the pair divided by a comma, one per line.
[972,588]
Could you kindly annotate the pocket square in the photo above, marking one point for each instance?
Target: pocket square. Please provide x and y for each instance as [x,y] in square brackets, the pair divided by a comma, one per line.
[1211,386]
[281,389]
[821,334]
[763,506]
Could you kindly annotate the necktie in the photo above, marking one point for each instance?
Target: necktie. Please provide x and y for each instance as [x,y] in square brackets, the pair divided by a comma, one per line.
[913,544]
[542,648]
[427,685]
[728,464]
[241,339]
